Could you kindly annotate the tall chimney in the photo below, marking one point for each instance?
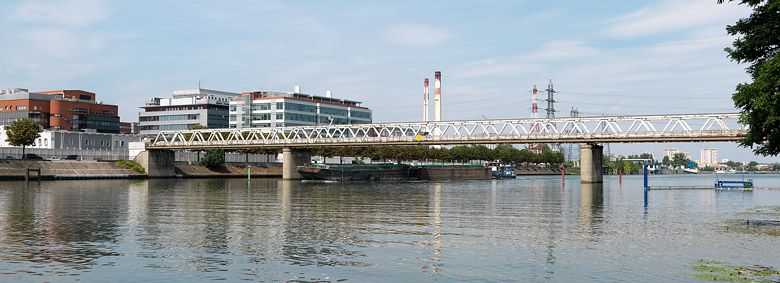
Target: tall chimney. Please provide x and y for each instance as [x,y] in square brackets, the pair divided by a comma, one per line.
[425,100]
[437,97]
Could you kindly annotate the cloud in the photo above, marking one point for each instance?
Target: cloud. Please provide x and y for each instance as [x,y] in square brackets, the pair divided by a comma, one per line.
[71,13]
[564,50]
[52,40]
[417,35]
[671,16]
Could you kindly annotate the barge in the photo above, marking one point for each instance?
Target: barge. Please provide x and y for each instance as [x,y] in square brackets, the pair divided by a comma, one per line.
[393,172]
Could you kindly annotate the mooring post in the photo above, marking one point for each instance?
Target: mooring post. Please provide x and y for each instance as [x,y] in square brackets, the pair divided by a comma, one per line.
[563,173]
[620,170]
[644,168]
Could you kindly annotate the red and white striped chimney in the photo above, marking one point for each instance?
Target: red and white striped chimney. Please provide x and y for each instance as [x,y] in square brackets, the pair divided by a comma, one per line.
[437,97]
[425,100]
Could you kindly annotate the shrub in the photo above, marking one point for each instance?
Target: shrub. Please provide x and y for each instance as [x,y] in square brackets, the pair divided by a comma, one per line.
[132,165]
[214,158]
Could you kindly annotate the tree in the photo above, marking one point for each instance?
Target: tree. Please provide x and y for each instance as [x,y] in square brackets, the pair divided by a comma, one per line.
[757,44]
[23,133]
[679,160]
[214,158]
[666,161]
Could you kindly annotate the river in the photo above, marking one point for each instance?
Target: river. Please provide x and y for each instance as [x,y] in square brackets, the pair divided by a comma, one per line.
[529,229]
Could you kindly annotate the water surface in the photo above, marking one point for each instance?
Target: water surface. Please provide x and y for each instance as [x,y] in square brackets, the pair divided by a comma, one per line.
[529,229]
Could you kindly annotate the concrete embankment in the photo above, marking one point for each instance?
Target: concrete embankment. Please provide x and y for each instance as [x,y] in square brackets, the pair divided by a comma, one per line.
[76,170]
[64,170]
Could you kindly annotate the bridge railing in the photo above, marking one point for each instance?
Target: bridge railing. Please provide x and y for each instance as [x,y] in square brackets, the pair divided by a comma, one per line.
[651,128]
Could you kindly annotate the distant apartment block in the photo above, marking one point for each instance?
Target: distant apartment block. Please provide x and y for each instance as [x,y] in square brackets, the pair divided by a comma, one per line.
[709,157]
[670,152]
[184,110]
[281,109]
[70,110]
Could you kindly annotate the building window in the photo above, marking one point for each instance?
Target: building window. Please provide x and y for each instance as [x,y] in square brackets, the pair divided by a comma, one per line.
[279,116]
[280,105]
[261,106]
[21,107]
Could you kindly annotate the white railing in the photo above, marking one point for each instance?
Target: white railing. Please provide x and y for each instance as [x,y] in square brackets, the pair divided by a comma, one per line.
[607,129]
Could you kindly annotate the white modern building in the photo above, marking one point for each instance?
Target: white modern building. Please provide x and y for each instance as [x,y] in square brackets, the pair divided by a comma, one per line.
[280,109]
[709,157]
[75,140]
[89,145]
[185,109]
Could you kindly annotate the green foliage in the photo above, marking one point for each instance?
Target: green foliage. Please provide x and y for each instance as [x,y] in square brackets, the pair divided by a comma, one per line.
[461,153]
[214,158]
[23,132]
[132,165]
[757,45]
[666,161]
[679,160]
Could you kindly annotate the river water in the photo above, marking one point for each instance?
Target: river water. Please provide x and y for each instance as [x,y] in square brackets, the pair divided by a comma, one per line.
[529,229]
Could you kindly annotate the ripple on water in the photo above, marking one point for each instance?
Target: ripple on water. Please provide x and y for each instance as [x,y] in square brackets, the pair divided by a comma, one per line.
[527,229]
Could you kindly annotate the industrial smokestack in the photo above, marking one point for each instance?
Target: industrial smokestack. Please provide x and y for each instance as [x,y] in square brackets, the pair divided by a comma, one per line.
[328,94]
[437,97]
[425,100]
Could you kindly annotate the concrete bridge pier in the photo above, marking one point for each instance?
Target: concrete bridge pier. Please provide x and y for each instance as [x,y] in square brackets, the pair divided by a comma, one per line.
[291,159]
[591,157]
[158,163]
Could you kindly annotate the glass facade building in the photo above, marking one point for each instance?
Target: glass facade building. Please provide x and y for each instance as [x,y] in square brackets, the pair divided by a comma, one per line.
[282,109]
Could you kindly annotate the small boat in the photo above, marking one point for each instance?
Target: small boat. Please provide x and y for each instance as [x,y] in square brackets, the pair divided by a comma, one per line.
[744,184]
[498,171]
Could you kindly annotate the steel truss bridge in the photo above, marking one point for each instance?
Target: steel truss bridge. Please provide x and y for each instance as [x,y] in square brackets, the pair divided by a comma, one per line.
[606,129]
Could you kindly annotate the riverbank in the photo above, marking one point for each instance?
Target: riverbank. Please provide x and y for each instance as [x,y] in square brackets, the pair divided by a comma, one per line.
[85,170]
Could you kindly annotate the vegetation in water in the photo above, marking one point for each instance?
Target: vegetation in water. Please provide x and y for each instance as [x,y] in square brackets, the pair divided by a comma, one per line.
[761,220]
[132,165]
[709,270]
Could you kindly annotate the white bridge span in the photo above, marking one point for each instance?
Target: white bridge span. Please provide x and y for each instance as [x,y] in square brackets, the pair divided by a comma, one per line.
[607,129]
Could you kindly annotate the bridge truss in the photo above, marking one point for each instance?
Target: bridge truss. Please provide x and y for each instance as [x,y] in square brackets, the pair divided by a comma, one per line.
[607,129]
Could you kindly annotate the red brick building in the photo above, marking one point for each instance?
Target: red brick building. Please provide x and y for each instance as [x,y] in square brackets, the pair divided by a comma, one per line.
[72,110]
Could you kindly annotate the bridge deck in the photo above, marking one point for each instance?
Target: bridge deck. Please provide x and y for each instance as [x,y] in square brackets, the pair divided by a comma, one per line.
[609,129]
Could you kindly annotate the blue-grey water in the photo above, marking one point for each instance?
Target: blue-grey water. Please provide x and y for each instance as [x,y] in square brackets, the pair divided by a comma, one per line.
[529,229]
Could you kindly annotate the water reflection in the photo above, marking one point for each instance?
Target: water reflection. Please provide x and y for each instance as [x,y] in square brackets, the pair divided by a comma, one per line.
[273,230]
[74,228]
[591,208]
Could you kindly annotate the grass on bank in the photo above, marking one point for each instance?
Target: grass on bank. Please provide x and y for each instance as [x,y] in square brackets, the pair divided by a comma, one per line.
[132,165]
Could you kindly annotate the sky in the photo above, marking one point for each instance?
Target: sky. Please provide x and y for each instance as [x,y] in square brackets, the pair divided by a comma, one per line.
[604,57]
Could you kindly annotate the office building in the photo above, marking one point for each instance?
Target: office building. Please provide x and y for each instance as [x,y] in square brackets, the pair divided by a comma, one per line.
[184,110]
[70,110]
[280,109]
